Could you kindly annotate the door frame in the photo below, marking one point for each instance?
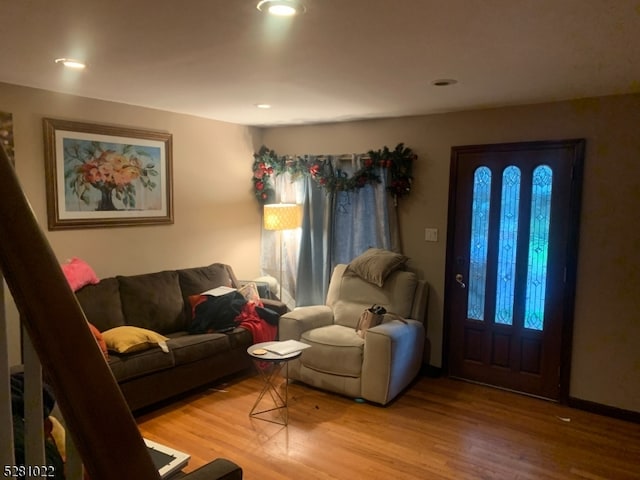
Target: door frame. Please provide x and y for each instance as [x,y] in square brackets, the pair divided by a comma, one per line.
[571,266]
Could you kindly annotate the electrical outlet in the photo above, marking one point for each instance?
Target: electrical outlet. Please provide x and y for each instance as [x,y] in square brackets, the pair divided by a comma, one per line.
[430,234]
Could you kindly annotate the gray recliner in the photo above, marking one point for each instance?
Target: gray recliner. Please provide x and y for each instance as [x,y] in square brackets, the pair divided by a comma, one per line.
[376,368]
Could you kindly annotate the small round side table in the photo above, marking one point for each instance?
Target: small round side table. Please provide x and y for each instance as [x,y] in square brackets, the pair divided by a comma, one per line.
[270,365]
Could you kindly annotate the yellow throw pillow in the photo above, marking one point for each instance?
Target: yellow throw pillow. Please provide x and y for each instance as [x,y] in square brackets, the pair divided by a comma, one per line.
[128,339]
[59,436]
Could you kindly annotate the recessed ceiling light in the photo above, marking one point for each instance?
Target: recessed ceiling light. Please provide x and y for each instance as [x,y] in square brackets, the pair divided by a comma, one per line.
[444,82]
[264,106]
[71,63]
[282,8]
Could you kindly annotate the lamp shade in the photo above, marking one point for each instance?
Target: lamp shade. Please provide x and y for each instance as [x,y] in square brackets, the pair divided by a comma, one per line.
[282,216]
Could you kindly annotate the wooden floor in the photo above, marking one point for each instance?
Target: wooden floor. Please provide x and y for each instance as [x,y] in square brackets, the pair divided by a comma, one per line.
[438,429]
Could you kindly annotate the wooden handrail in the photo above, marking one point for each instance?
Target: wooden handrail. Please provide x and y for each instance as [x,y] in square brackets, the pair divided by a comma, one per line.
[96,413]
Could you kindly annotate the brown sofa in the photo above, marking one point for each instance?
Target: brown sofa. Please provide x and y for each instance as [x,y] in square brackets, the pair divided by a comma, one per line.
[160,302]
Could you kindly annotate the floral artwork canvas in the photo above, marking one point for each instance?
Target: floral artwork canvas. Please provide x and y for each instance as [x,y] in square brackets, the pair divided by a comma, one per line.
[103,176]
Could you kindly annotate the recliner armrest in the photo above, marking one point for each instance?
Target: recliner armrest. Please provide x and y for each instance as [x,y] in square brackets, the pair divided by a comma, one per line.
[420,301]
[293,324]
[392,358]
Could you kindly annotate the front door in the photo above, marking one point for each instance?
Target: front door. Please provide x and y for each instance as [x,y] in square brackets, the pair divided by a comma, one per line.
[511,264]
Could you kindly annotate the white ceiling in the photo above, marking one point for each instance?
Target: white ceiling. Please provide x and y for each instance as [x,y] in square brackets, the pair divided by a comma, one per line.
[341,60]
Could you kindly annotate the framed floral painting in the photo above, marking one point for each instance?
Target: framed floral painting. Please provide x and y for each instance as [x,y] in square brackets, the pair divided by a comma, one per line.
[106,176]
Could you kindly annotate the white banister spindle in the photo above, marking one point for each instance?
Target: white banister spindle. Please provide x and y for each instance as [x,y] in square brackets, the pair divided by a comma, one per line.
[6,420]
[33,406]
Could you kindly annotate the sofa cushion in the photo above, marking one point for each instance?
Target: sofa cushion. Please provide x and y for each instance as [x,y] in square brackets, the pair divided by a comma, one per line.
[350,295]
[101,304]
[194,281]
[198,279]
[190,348]
[240,338]
[126,367]
[153,301]
[336,350]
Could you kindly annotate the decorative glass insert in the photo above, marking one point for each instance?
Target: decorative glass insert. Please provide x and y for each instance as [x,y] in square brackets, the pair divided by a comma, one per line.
[538,247]
[507,246]
[479,243]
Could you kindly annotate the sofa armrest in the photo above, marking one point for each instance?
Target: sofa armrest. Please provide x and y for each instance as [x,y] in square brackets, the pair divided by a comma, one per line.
[392,358]
[275,305]
[293,324]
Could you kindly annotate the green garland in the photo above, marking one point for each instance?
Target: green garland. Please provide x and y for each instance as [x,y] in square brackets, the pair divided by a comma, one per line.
[397,163]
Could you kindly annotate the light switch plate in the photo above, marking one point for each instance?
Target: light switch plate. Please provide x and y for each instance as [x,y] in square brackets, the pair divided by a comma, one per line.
[431,234]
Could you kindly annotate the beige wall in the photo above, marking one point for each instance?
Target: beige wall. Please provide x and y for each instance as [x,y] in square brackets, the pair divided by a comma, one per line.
[217,219]
[216,216]
[606,357]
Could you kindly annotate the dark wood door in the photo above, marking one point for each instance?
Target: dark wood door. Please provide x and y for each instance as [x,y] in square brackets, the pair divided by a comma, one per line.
[511,264]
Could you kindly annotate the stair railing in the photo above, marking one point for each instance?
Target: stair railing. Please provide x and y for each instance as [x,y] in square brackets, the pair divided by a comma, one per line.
[95,412]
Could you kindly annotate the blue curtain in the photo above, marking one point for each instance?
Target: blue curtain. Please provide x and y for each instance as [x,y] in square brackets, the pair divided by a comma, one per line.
[361,221]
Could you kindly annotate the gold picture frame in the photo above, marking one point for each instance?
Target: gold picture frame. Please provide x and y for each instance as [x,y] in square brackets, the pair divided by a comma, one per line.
[106,176]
